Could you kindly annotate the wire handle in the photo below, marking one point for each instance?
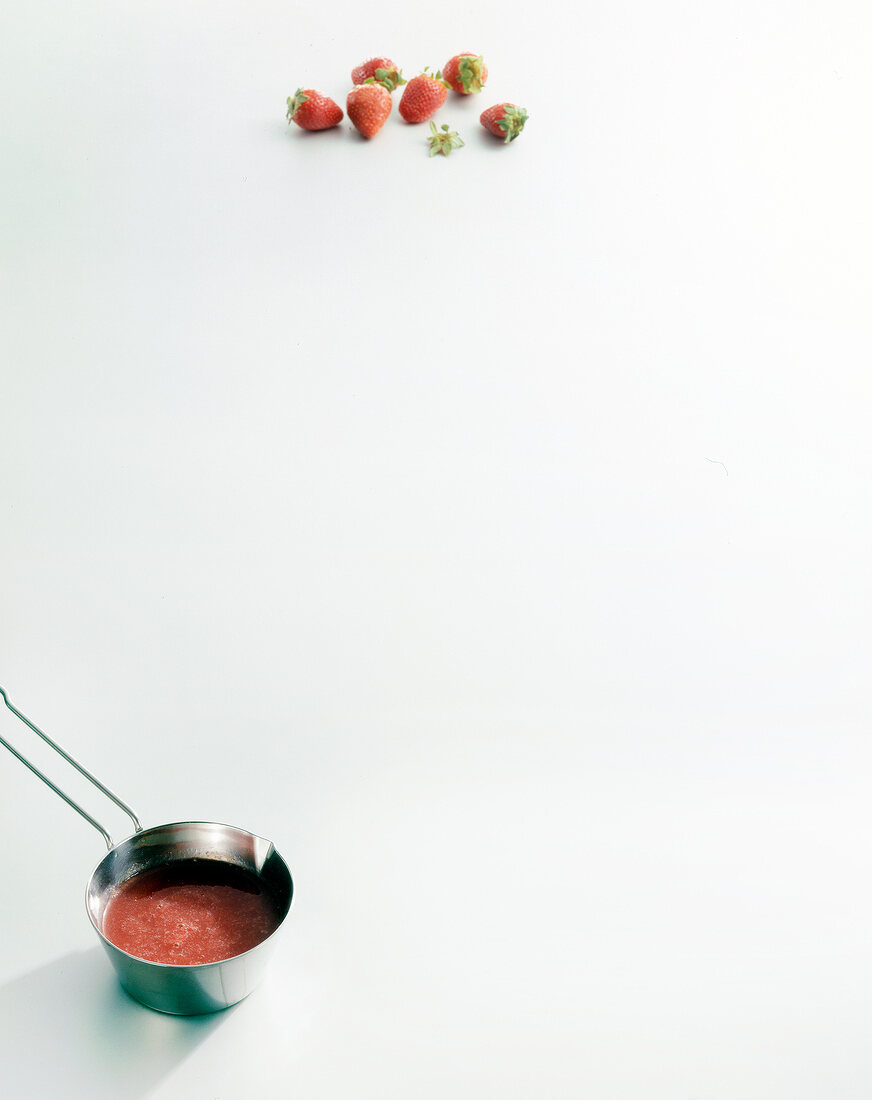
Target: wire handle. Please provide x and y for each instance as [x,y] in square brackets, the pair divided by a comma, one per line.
[83,771]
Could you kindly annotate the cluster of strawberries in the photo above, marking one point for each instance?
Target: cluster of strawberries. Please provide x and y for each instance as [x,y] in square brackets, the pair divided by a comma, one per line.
[369,102]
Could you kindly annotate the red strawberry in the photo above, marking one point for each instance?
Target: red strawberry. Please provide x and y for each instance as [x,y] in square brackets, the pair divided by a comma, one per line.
[465,73]
[505,120]
[379,69]
[423,97]
[313,111]
[368,107]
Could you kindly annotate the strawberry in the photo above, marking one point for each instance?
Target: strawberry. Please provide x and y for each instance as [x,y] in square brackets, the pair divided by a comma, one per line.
[465,73]
[380,70]
[368,107]
[313,111]
[423,96]
[505,120]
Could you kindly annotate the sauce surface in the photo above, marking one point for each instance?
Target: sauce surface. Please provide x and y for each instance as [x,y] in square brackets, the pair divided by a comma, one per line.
[190,911]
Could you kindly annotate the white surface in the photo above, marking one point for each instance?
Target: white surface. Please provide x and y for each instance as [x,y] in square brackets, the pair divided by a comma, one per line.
[492,532]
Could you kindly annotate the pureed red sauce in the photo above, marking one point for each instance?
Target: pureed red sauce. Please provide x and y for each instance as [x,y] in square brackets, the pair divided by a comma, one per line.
[190,911]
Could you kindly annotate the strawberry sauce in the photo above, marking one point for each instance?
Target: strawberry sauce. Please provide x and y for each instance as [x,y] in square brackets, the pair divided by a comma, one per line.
[190,911]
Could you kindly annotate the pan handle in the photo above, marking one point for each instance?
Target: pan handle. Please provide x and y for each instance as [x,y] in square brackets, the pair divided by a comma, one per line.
[109,842]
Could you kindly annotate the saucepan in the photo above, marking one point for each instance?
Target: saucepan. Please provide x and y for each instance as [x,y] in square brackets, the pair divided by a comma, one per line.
[183,989]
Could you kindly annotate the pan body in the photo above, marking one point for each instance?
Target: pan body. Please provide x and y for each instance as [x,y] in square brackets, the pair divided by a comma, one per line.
[208,987]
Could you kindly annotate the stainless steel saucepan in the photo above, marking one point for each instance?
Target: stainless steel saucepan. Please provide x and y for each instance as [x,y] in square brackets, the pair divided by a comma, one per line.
[181,990]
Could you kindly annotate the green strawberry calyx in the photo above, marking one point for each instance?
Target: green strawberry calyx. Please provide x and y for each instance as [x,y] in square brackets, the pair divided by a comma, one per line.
[512,122]
[295,102]
[388,78]
[469,73]
[438,76]
[443,140]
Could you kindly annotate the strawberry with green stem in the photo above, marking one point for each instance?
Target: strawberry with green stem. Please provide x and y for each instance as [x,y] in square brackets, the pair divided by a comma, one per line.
[443,140]
[505,120]
[313,111]
[378,70]
[465,73]
[423,96]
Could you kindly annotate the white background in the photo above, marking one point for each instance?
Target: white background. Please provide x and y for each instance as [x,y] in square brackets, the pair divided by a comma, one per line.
[490,532]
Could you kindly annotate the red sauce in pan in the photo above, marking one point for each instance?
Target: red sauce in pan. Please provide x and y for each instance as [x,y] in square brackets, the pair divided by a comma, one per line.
[190,911]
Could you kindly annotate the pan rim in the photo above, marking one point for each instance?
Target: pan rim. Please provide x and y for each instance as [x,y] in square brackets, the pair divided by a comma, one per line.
[186,966]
